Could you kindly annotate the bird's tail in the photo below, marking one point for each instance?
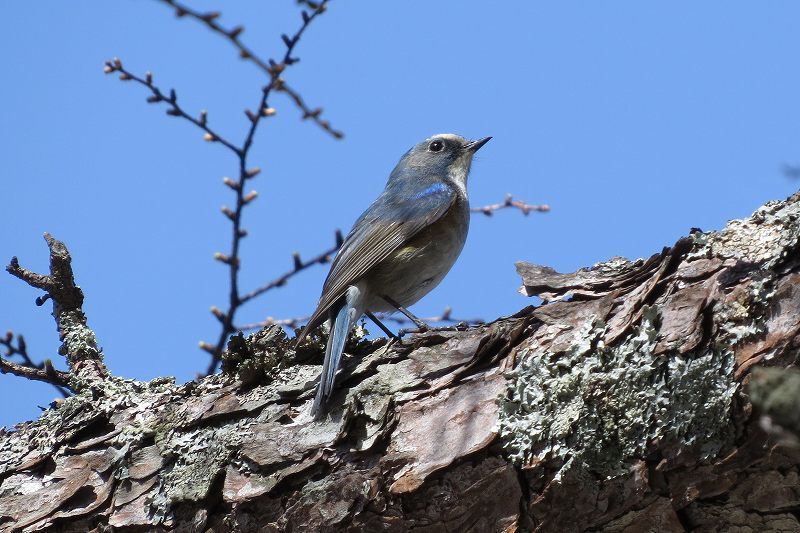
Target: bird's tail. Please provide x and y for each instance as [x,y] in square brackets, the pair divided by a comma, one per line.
[342,318]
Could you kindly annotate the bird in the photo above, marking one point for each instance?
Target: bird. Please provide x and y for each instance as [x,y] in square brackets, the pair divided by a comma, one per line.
[399,249]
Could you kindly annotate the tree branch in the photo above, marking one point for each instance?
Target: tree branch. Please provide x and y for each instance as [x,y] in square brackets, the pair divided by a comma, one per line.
[158,96]
[509,202]
[233,36]
[444,318]
[79,345]
[43,371]
[273,69]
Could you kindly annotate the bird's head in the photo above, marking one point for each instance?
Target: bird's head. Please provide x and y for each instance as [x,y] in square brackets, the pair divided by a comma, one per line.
[446,154]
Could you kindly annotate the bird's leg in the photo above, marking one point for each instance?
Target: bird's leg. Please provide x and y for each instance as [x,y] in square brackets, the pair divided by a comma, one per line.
[421,326]
[381,325]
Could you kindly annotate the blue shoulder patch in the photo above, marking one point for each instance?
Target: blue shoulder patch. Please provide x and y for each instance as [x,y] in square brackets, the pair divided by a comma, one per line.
[431,190]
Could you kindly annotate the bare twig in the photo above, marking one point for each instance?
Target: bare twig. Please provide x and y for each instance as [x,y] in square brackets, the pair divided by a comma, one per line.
[509,202]
[445,317]
[791,171]
[299,265]
[273,69]
[233,35]
[158,96]
[79,345]
[47,374]
[43,371]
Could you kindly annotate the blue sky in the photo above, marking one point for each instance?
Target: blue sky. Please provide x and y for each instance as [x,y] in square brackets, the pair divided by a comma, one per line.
[634,121]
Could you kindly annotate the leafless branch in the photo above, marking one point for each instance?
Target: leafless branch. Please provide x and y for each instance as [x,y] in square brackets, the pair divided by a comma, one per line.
[446,317]
[509,202]
[273,69]
[233,35]
[158,96]
[791,171]
[79,345]
[44,371]
[299,265]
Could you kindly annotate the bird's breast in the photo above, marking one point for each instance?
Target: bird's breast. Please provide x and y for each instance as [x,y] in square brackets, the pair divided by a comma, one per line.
[420,264]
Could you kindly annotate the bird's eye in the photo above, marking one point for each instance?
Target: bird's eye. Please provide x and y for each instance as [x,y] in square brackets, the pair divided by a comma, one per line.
[436,146]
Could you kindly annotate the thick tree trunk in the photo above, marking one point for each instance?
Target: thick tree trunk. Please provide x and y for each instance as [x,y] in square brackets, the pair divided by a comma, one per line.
[628,402]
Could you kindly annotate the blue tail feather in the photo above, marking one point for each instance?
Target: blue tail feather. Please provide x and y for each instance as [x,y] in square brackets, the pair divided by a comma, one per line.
[340,329]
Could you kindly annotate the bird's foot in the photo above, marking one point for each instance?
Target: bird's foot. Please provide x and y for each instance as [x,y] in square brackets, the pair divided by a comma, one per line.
[421,326]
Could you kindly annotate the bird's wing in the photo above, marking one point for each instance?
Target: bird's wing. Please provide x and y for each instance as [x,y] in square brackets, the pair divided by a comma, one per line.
[388,223]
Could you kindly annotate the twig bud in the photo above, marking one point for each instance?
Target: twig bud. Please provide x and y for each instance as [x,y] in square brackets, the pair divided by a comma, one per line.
[209,137]
[253,172]
[108,69]
[154,99]
[268,111]
[242,232]
[203,117]
[148,77]
[252,195]
[219,256]
[217,312]
[250,115]
[227,212]
[233,184]
[173,112]
[203,345]
[235,32]
[125,77]
[298,263]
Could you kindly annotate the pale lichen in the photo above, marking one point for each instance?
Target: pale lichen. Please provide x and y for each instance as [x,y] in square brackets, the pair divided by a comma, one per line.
[602,406]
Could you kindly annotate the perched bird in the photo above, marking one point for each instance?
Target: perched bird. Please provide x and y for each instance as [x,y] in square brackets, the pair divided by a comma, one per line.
[400,248]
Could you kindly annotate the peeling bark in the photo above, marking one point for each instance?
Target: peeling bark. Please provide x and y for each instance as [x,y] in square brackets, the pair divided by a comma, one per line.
[621,404]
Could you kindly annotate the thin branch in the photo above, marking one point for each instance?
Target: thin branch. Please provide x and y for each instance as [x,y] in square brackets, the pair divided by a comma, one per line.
[446,317]
[79,345]
[308,113]
[299,266]
[47,374]
[509,202]
[273,69]
[791,171]
[226,318]
[233,36]
[175,110]
[43,371]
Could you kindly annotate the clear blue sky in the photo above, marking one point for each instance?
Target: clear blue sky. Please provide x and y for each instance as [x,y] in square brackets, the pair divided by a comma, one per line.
[634,121]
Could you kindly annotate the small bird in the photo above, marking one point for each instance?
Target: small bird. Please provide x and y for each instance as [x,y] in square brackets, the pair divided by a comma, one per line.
[400,248]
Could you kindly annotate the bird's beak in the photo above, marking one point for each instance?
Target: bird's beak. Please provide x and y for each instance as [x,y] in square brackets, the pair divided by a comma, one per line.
[474,146]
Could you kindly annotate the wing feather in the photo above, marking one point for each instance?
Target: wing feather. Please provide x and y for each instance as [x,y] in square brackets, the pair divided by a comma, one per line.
[393,219]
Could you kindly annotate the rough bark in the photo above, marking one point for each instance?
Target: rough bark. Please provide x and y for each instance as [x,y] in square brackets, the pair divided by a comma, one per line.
[622,404]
